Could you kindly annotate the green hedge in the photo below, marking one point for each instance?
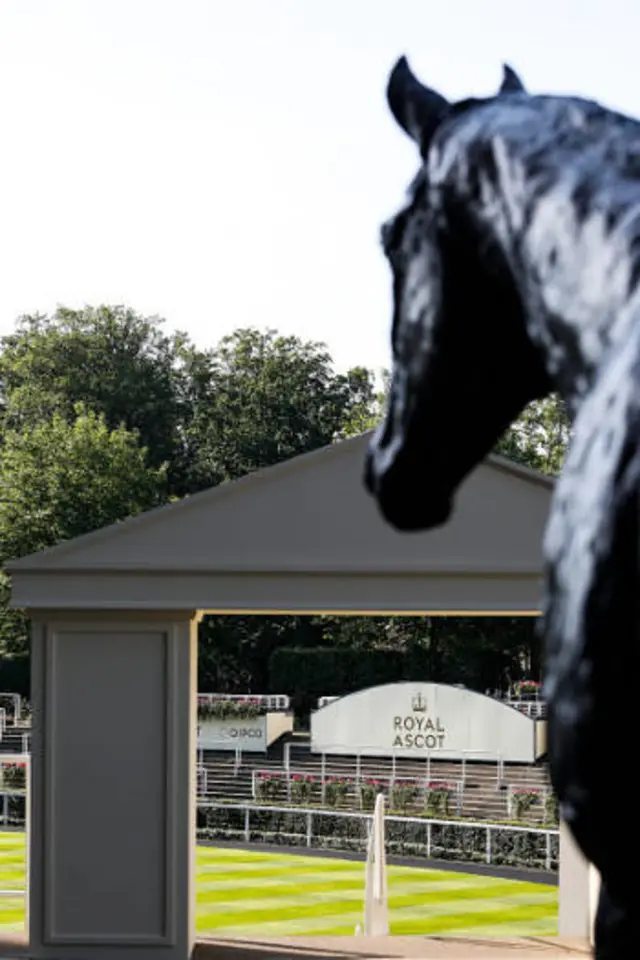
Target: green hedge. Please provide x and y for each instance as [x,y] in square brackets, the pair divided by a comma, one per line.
[332,671]
[15,675]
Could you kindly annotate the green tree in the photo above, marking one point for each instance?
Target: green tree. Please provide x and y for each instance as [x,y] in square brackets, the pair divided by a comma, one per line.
[259,398]
[59,479]
[539,437]
[111,359]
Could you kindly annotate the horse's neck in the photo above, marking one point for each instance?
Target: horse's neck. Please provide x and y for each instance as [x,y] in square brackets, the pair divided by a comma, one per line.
[582,304]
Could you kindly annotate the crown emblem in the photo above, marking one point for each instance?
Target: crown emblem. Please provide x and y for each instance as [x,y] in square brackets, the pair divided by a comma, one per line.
[419,704]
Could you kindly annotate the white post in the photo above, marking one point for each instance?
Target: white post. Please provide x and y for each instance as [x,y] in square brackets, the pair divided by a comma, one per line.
[376,911]
[579,888]
[323,777]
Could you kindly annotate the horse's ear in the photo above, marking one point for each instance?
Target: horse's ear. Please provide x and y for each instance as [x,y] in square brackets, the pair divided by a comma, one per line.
[511,82]
[416,108]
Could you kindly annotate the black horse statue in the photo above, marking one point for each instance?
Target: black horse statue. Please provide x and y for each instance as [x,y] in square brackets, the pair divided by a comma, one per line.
[516,273]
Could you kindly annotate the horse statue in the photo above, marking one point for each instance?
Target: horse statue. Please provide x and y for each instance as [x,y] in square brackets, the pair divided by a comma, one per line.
[516,273]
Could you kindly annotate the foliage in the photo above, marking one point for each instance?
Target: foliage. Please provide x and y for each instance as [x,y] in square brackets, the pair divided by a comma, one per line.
[526,688]
[14,775]
[111,360]
[269,786]
[263,398]
[234,651]
[404,795]
[369,790]
[551,809]
[336,790]
[246,709]
[332,670]
[180,419]
[539,437]
[436,798]
[405,836]
[302,787]
[60,479]
[522,800]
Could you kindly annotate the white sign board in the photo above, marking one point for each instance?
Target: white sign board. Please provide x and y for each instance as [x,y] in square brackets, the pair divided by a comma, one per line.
[250,736]
[415,719]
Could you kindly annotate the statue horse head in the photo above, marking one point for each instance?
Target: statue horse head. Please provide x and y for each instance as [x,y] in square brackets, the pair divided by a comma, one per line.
[463,364]
[516,271]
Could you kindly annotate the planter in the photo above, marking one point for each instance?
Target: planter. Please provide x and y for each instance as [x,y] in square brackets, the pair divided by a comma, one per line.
[369,790]
[246,709]
[335,792]
[522,801]
[14,776]
[436,799]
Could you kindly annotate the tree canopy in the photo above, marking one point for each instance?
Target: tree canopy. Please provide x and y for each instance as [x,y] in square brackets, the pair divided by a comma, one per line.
[103,414]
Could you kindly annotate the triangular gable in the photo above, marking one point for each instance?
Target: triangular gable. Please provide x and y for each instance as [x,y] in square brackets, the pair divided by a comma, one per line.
[312,514]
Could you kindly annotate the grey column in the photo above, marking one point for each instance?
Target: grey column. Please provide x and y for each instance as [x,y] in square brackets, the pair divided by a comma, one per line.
[112,815]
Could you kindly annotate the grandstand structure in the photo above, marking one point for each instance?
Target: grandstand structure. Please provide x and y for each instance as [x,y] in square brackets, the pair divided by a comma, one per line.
[477,789]
[289,772]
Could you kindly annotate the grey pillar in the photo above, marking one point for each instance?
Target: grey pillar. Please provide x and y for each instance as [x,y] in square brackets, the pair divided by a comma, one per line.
[111,858]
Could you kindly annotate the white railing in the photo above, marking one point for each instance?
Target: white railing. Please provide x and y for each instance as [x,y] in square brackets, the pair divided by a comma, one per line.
[319,785]
[536,709]
[461,756]
[276,702]
[431,838]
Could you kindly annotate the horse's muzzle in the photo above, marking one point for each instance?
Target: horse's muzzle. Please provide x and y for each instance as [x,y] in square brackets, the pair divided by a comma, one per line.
[406,501]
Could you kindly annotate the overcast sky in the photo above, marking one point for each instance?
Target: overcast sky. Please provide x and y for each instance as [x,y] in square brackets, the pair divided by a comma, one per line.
[228,162]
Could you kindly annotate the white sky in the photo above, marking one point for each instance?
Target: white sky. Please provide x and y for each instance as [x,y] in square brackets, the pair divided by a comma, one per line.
[228,162]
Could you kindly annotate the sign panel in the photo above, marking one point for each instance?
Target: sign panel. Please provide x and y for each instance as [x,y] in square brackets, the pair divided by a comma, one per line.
[415,719]
[250,736]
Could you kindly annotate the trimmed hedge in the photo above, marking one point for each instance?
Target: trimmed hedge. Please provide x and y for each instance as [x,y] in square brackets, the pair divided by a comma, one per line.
[332,671]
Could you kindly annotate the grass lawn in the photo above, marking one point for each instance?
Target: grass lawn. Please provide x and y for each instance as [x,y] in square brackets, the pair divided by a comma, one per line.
[272,894]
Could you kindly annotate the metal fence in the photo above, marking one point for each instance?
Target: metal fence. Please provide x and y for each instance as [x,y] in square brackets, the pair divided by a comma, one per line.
[429,838]
[463,757]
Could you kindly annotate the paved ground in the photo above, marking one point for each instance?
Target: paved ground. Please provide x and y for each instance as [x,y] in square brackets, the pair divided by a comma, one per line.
[342,948]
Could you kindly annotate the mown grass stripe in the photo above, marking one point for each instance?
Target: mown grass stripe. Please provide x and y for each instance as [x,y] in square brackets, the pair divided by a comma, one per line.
[323,902]
[255,893]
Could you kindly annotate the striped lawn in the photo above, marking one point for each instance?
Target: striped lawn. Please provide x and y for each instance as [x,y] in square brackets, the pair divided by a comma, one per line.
[249,893]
